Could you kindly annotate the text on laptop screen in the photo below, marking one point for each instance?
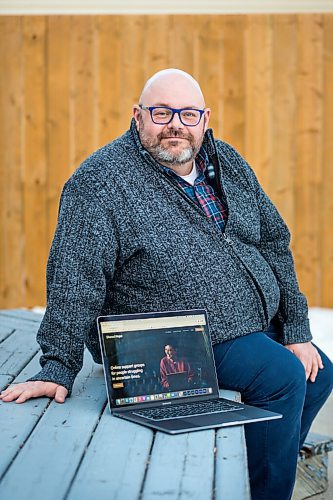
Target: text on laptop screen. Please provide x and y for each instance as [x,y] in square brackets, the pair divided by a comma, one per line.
[157,358]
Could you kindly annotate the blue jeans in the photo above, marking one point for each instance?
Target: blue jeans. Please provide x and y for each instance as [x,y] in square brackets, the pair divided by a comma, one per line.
[269,376]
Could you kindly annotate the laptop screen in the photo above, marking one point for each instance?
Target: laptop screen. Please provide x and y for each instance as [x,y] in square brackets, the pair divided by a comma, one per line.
[155,357]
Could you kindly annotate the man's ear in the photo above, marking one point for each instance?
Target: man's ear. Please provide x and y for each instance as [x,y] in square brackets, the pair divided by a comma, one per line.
[136,114]
[206,118]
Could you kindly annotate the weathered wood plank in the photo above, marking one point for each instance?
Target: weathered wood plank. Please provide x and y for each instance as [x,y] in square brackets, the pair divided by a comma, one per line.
[16,351]
[108,41]
[182,458]
[29,327]
[29,370]
[49,458]
[207,49]
[58,54]
[115,462]
[233,86]
[5,380]
[312,473]
[156,55]
[308,171]
[21,314]
[18,420]
[231,465]
[132,74]
[30,332]
[5,331]
[232,395]
[34,166]
[231,448]
[11,147]
[183,40]
[82,89]
[326,197]
[258,125]
[282,166]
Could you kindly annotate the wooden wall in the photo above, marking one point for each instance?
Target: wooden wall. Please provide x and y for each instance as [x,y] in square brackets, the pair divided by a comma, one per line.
[68,84]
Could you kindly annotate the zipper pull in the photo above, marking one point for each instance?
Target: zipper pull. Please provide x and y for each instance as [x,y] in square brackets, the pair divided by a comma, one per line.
[211,171]
[227,239]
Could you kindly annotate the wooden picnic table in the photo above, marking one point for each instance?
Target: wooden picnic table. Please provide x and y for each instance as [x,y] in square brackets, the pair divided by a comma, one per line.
[78,450]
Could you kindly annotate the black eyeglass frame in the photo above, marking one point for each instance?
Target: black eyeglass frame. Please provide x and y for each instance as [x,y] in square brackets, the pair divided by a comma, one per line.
[173,110]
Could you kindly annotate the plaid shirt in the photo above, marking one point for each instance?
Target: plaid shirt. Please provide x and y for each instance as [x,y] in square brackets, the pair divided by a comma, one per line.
[202,193]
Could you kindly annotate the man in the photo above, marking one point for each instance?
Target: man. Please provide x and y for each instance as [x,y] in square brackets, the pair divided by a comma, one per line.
[171,364]
[167,218]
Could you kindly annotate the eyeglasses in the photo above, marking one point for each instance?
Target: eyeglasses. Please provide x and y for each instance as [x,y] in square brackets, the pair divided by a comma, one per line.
[162,115]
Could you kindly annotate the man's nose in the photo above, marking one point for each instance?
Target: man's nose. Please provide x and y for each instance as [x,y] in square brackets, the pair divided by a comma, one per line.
[175,122]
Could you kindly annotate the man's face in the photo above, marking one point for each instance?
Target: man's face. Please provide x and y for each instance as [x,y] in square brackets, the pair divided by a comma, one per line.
[174,143]
[170,352]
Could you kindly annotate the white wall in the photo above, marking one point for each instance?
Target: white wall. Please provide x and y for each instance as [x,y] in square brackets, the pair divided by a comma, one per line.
[162,6]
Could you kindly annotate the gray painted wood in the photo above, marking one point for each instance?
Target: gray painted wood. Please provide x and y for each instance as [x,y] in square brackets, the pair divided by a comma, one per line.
[29,370]
[233,395]
[16,351]
[231,459]
[115,462]
[5,331]
[232,482]
[23,314]
[18,420]
[52,453]
[14,323]
[54,449]
[4,381]
[181,467]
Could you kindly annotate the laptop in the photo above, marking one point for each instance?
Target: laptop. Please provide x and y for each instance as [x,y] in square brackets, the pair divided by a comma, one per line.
[141,351]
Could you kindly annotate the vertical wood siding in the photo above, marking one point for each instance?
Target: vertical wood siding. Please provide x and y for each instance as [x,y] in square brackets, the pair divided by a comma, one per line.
[68,84]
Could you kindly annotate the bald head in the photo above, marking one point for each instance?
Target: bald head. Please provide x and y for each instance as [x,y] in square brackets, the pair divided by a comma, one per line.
[164,134]
[172,83]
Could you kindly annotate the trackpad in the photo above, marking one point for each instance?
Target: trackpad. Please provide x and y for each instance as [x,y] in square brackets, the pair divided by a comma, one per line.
[215,419]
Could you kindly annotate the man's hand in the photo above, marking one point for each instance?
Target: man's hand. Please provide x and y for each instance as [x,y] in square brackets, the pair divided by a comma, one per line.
[26,390]
[309,356]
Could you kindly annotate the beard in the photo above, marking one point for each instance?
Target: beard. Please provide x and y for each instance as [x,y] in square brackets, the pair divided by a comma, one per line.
[166,155]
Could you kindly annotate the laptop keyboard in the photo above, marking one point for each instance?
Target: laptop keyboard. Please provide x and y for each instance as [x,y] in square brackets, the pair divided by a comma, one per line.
[187,410]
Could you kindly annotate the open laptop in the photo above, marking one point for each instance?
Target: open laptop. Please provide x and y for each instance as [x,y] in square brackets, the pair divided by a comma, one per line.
[136,367]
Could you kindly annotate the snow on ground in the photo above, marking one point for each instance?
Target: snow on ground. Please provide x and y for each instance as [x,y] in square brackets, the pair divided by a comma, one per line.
[321,323]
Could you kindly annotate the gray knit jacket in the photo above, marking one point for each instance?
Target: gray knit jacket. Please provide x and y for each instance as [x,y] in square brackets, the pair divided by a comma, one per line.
[130,240]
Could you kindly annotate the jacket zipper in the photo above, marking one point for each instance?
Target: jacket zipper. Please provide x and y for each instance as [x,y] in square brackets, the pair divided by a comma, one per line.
[256,285]
[225,235]
[216,164]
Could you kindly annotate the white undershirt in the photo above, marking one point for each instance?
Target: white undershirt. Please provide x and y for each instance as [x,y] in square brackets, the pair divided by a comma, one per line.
[190,178]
